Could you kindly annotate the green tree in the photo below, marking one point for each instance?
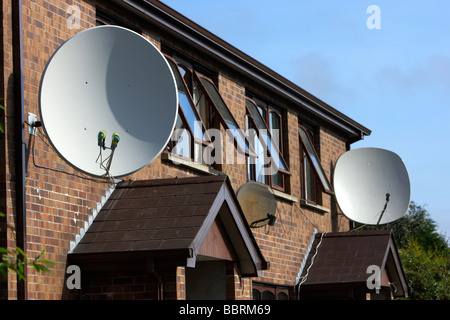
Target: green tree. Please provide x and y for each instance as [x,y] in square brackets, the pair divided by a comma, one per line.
[418,225]
[16,260]
[424,253]
[427,272]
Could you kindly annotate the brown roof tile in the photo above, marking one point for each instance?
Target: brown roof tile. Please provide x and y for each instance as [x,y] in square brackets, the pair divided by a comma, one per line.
[152,214]
[343,257]
[156,216]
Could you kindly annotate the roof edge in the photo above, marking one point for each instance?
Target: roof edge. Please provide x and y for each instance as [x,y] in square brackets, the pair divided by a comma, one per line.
[176,23]
[169,181]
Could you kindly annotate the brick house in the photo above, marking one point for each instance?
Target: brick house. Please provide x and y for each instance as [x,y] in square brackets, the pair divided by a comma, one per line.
[122,254]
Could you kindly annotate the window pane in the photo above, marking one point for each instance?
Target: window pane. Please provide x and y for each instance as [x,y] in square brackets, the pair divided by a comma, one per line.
[259,173]
[265,137]
[277,179]
[275,131]
[309,180]
[315,160]
[191,117]
[181,139]
[176,73]
[200,102]
[282,296]
[198,152]
[267,295]
[275,127]
[183,73]
[187,75]
[227,117]
[260,168]
[256,295]
[256,115]
[262,112]
[251,138]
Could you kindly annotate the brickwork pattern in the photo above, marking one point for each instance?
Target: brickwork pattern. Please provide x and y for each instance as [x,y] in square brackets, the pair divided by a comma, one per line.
[59,203]
[233,95]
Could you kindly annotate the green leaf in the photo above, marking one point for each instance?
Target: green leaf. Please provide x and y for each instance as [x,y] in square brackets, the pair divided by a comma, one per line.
[39,256]
[4,251]
[16,260]
[21,252]
[39,267]
[47,262]
[38,263]
[4,270]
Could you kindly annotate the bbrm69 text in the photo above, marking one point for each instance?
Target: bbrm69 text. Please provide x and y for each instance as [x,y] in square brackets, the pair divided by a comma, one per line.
[227,309]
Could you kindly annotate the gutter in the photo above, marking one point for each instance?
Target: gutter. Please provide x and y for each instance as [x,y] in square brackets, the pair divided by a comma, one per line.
[19,133]
[181,27]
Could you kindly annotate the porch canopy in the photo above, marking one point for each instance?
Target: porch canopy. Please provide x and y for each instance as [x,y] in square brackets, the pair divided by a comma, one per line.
[337,267]
[176,220]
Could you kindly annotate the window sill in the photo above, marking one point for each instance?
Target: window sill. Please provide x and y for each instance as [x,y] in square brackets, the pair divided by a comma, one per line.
[313,206]
[167,157]
[284,196]
[189,164]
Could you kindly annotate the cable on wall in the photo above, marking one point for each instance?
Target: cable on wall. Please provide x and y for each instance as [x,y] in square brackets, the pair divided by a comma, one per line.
[32,147]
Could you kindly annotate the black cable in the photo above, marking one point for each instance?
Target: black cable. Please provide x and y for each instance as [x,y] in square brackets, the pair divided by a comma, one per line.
[38,133]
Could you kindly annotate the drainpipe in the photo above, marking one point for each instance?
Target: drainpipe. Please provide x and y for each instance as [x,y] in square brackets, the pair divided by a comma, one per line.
[19,133]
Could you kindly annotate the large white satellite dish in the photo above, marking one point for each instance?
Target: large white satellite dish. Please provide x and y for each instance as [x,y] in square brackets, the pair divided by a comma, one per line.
[258,204]
[110,79]
[372,186]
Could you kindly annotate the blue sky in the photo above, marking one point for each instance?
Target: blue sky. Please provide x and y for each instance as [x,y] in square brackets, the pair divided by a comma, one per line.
[395,80]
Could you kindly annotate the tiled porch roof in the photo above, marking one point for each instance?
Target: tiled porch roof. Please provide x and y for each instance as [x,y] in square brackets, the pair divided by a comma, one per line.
[169,217]
[342,258]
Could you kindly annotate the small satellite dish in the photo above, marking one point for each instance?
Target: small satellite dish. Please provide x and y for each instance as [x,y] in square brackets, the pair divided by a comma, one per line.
[372,186]
[258,203]
[108,83]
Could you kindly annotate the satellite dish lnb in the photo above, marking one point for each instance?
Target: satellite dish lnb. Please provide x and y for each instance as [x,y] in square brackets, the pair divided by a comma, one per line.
[372,186]
[104,83]
[258,204]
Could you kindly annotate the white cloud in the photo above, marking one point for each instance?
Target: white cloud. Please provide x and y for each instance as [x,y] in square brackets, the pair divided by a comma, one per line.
[315,74]
[318,76]
[434,72]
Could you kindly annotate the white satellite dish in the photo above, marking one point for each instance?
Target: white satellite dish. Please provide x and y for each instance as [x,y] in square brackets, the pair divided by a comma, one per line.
[258,204]
[108,79]
[372,186]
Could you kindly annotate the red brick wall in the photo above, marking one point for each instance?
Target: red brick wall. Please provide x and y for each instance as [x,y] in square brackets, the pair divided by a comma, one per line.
[54,200]
[233,95]
[331,147]
[238,288]
[6,67]
[126,284]
[285,244]
[59,204]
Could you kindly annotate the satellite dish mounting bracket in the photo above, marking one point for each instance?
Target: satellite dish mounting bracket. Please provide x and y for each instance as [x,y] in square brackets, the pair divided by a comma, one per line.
[384,209]
[271,218]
